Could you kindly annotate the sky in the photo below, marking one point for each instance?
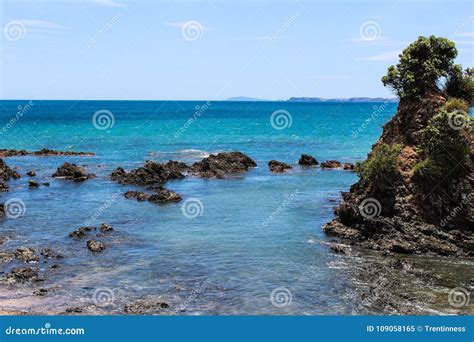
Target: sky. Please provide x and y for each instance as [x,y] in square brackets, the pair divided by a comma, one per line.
[213,50]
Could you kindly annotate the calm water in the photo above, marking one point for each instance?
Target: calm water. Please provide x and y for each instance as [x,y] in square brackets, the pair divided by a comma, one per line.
[257,232]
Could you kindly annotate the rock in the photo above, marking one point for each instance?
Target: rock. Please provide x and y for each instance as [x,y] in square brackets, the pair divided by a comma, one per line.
[151,173]
[72,172]
[145,306]
[81,232]
[47,253]
[163,196]
[340,248]
[26,254]
[45,184]
[95,246]
[330,164]
[276,166]
[348,167]
[33,184]
[138,195]
[222,164]
[6,173]
[105,228]
[31,173]
[44,153]
[45,291]
[2,238]
[307,160]
[2,209]
[6,257]
[22,275]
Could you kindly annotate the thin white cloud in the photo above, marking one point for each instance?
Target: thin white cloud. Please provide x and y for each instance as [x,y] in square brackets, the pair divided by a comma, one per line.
[110,3]
[465,34]
[386,56]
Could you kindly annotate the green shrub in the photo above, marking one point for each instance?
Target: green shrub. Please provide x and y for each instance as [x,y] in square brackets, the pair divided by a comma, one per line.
[455,104]
[382,161]
[428,169]
[460,84]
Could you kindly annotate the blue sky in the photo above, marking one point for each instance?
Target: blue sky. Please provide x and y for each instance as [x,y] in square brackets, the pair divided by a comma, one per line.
[120,49]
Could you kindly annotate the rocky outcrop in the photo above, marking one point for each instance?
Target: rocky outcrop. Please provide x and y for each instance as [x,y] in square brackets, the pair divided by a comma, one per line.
[95,246]
[307,160]
[6,173]
[222,164]
[152,173]
[395,212]
[330,164]
[72,172]
[45,152]
[276,166]
[348,167]
[145,307]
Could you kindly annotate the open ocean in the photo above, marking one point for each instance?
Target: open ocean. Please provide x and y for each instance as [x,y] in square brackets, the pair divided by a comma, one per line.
[254,233]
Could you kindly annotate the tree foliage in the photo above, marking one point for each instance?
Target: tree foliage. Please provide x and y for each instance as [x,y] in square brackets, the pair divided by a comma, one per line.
[382,161]
[422,64]
[460,84]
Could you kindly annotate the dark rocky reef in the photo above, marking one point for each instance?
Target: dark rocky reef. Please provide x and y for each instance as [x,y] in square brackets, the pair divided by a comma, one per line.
[307,160]
[6,173]
[222,164]
[276,166]
[161,195]
[151,173]
[330,164]
[72,172]
[395,211]
[45,152]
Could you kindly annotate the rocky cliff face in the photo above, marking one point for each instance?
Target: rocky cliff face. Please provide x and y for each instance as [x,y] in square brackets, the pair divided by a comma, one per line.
[397,212]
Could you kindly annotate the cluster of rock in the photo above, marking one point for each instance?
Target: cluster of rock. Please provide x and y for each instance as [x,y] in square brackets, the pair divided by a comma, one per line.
[396,214]
[72,172]
[222,164]
[45,152]
[306,160]
[93,244]
[6,173]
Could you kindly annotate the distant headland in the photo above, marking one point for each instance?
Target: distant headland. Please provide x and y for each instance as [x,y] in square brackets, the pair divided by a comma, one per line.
[318,99]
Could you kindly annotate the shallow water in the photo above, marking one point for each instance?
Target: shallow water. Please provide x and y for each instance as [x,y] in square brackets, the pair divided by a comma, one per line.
[255,233]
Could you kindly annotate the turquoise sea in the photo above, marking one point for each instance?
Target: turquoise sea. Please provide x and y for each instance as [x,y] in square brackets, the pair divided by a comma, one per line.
[254,233]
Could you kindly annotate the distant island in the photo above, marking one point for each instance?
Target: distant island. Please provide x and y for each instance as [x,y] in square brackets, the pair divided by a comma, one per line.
[317,99]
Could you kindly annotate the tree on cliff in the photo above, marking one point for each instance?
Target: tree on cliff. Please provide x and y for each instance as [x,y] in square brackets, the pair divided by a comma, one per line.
[423,65]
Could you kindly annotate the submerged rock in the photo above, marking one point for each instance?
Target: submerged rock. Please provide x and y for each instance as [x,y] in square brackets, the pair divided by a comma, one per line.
[307,160]
[22,275]
[330,164]
[276,166]
[72,172]
[106,228]
[348,167]
[33,184]
[81,232]
[138,195]
[31,173]
[221,164]
[145,307]
[26,254]
[44,152]
[95,246]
